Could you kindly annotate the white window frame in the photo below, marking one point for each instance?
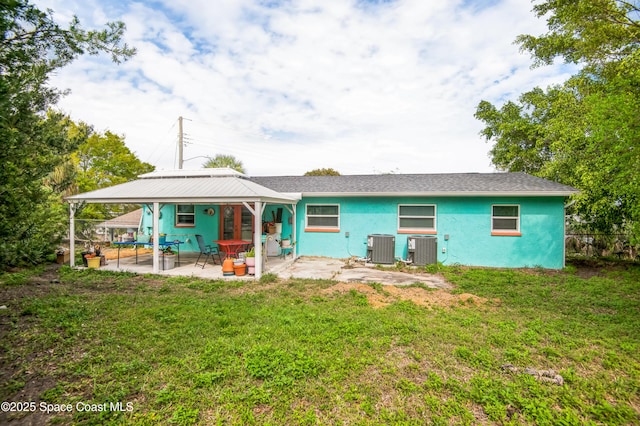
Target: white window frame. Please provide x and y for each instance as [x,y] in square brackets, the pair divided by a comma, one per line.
[419,229]
[505,231]
[321,227]
[178,224]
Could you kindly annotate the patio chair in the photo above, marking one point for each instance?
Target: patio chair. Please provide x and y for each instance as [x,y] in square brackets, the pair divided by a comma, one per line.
[207,251]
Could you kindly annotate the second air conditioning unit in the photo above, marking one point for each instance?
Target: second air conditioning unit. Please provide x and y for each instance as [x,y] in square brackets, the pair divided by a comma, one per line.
[422,250]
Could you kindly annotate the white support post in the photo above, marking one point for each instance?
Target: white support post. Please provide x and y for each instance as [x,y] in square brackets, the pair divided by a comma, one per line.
[294,237]
[564,236]
[156,238]
[72,235]
[257,238]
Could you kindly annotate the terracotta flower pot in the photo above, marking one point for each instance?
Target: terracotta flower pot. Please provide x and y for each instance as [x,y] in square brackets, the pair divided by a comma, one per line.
[240,269]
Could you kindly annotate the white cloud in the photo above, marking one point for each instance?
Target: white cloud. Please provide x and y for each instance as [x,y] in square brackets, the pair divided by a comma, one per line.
[306,84]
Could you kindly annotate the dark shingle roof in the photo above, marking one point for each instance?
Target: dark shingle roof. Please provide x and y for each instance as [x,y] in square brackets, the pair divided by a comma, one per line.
[417,184]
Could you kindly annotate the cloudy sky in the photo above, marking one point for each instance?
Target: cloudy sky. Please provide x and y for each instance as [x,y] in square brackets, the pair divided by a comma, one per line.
[287,86]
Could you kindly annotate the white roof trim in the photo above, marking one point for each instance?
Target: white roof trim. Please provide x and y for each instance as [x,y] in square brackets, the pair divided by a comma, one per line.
[193,190]
[204,172]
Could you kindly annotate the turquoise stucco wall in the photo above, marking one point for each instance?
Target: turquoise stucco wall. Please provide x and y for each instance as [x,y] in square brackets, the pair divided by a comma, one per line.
[205,225]
[467,222]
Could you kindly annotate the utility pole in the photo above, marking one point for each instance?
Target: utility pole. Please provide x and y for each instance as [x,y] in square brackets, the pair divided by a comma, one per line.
[180,143]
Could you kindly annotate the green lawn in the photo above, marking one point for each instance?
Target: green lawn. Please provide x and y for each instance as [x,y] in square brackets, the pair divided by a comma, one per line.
[187,351]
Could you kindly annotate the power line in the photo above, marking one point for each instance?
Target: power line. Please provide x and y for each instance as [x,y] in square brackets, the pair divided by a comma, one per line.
[155,154]
[238,148]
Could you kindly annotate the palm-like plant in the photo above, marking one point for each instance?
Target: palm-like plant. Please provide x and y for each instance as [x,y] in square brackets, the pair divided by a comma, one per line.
[221,160]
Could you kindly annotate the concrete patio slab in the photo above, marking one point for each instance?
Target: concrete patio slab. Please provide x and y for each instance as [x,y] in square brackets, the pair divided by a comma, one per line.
[187,268]
[337,269]
[306,267]
[365,274]
[320,268]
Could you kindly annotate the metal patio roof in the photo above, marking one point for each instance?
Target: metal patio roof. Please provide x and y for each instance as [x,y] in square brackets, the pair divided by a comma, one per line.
[185,190]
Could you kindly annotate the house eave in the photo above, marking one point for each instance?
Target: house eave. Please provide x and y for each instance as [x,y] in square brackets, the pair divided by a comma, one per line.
[442,194]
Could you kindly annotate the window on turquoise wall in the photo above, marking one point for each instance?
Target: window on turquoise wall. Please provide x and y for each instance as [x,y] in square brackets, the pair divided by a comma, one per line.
[323,216]
[185,215]
[505,218]
[416,217]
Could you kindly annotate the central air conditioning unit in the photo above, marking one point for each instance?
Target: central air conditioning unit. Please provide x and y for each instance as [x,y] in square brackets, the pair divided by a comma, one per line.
[381,248]
[422,250]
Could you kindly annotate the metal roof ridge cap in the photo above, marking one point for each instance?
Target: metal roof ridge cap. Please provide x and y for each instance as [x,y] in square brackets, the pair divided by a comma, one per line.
[211,172]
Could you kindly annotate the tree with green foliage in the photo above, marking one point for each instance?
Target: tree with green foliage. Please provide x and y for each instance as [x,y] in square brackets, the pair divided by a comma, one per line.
[221,160]
[104,160]
[585,132]
[322,172]
[35,142]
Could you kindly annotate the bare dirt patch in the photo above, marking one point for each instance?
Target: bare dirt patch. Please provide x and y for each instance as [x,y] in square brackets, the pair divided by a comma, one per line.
[420,296]
[588,268]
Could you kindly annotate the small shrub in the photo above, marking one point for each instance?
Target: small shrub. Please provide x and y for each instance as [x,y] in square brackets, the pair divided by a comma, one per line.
[268,278]
[184,416]
[359,298]
[433,382]
[463,353]
[406,386]
[166,395]
[434,268]
[421,285]
[376,286]
[207,379]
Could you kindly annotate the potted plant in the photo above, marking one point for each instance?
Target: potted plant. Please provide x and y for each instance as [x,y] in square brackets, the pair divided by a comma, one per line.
[250,259]
[98,251]
[92,260]
[168,258]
